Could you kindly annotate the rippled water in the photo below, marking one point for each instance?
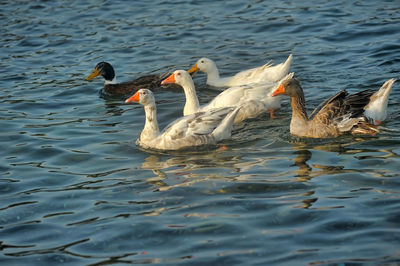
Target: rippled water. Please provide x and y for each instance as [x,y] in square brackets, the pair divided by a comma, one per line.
[76,190]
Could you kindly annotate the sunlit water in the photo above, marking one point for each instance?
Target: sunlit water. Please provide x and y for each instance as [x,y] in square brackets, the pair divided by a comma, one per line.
[76,190]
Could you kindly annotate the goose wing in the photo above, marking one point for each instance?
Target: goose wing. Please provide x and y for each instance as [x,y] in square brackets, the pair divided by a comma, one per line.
[200,123]
[329,109]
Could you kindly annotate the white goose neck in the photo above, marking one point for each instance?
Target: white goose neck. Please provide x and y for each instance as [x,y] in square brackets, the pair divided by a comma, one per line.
[192,104]
[212,74]
[150,130]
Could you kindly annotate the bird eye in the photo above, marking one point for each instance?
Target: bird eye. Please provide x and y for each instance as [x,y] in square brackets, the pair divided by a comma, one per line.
[179,74]
[202,61]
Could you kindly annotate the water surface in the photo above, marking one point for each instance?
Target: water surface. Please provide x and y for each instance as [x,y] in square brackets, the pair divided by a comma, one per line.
[76,190]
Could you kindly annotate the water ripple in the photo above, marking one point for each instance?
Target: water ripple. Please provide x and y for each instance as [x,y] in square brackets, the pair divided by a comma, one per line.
[76,189]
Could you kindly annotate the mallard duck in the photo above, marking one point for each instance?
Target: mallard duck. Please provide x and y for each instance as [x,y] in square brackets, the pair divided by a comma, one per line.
[338,115]
[265,73]
[111,86]
[255,99]
[202,128]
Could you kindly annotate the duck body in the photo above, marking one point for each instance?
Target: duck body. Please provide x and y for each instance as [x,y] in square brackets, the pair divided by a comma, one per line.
[262,74]
[112,87]
[201,128]
[254,99]
[340,114]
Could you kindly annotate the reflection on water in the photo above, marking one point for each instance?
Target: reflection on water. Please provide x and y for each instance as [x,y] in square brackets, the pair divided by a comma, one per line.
[306,172]
[190,169]
[171,172]
[302,156]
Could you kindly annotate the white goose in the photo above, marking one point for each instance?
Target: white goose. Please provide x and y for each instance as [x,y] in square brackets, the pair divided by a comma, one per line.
[202,128]
[254,99]
[265,73]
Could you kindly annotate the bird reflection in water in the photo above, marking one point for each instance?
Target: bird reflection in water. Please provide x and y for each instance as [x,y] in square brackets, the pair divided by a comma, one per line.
[300,161]
[303,153]
[187,168]
[307,172]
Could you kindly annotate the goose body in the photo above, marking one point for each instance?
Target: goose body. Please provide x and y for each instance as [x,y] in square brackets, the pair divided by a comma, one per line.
[340,114]
[202,128]
[112,87]
[255,99]
[261,74]
[376,109]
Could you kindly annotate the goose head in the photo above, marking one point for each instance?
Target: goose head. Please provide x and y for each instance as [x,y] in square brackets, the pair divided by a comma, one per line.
[290,87]
[180,77]
[142,96]
[204,65]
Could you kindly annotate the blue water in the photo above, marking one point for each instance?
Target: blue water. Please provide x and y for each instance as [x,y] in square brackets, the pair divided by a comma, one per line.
[75,190]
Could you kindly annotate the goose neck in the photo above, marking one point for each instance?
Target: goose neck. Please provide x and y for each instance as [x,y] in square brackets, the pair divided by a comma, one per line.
[192,104]
[151,130]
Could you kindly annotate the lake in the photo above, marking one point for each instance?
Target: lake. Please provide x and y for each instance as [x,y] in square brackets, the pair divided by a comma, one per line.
[76,190]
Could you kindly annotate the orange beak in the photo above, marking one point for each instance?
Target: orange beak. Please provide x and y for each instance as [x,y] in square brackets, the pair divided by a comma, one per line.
[134,98]
[280,90]
[169,80]
[194,69]
[95,73]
